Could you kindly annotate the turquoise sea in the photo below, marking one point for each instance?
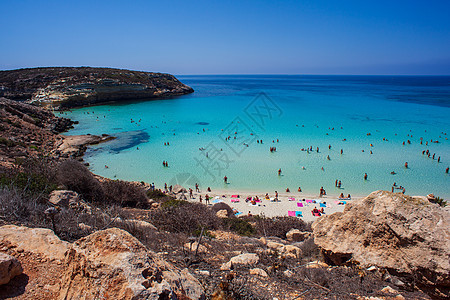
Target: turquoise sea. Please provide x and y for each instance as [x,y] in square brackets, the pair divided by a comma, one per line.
[215,132]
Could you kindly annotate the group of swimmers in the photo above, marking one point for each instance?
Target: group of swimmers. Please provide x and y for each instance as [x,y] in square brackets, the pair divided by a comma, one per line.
[428,153]
[165,164]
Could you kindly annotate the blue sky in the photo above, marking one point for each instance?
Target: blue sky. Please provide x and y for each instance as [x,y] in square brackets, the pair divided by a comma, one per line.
[230,37]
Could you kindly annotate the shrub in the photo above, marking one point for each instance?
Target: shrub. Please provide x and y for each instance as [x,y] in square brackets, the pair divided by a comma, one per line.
[124,194]
[238,225]
[279,226]
[158,195]
[184,217]
[78,178]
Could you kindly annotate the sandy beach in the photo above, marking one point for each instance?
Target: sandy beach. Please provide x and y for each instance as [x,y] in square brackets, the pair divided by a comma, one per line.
[287,202]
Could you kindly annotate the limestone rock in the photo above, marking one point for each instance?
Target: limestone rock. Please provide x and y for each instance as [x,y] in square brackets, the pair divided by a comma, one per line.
[292,251]
[176,189]
[316,264]
[258,272]
[113,264]
[222,214]
[37,240]
[389,290]
[193,247]
[275,245]
[63,197]
[245,259]
[9,268]
[407,234]
[295,235]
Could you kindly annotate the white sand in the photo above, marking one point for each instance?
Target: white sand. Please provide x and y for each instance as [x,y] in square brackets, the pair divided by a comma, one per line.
[273,209]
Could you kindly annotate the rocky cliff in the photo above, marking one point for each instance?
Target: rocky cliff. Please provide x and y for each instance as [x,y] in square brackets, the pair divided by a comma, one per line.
[72,87]
[408,236]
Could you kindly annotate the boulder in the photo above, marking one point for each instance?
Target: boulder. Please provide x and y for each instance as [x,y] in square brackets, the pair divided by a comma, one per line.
[36,240]
[223,214]
[63,197]
[408,235]
[258,272]
[193,247]
[178,189]
[295,235]
[245,259]
[275,246]
[112,264]
[10,267]
[292,251]
[223,206]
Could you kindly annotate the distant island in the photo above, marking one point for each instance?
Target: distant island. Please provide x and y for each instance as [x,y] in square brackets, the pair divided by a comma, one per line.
[69,87]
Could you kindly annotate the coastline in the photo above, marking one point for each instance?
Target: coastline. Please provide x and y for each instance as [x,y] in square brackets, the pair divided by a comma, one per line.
[269,209]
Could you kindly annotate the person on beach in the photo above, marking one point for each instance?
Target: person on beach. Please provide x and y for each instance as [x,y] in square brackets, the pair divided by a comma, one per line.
[196,188]
[276,196]
[200,198]
[349,197]
[207,199]
[267,196]
[341,196]
[190,193]
[322,192]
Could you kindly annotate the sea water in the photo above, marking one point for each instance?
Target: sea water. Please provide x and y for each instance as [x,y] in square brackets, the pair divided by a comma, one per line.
[216,132]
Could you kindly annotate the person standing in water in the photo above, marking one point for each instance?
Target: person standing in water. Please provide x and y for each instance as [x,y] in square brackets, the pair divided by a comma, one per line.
[365,176]
[279,172]
[225,179]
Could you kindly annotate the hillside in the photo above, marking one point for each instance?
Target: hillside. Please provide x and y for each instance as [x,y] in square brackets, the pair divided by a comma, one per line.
[68,87]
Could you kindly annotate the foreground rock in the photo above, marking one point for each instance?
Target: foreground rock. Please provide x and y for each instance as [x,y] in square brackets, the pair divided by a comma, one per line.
[409,236]
[70,87]
[108,264]
[10,267]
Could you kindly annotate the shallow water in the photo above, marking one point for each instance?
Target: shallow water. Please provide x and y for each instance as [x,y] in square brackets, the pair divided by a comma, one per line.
[299,111]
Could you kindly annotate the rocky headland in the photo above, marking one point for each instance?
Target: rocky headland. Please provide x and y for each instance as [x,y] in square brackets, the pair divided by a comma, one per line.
[65,87]
[68,234]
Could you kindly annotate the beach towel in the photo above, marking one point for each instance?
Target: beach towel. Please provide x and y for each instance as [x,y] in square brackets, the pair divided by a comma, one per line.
[238,213]
[291,213]
[291,199]
[300,204]
[323,205]
[342,202]
[234,200]
[316,214]
[217,200]
[299,214]
[336,202]
[309,201]
[235,196]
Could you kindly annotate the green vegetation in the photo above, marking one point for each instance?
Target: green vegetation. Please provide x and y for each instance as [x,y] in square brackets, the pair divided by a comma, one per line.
[240,226]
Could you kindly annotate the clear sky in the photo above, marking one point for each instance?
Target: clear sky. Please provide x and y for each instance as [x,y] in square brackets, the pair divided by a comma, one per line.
[230,37]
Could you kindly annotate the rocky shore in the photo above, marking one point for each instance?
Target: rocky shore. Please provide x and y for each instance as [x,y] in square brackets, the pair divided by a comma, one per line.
[67,234]
[63,87]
